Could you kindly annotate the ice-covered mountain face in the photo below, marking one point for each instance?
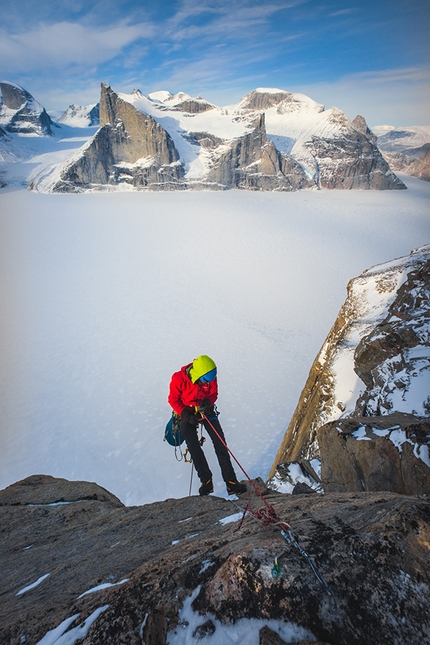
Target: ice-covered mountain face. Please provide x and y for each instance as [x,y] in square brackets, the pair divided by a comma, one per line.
[81,117]
[270,140]
[406,148]
[21,113]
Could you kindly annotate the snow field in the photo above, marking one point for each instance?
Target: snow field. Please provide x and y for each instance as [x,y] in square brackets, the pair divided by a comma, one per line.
[104,296]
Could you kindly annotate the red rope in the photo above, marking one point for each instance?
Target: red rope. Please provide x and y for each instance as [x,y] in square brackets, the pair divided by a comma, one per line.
[266,515]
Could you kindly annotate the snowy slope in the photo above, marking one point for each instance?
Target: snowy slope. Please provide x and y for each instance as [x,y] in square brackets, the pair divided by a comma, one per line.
[404,374]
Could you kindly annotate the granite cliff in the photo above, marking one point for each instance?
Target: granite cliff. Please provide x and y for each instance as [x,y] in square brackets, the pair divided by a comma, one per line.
[364,412]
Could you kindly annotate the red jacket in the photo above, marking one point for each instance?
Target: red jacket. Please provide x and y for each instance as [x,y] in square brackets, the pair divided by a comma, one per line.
[183,392]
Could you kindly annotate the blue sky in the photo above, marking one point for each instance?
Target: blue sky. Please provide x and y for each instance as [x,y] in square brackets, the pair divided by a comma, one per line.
[366,57]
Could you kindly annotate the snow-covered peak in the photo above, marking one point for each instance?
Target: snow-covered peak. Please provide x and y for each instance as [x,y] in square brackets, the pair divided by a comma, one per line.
[80,116]
[20,112]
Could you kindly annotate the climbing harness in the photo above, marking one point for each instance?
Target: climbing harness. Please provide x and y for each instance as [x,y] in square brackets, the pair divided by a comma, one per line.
[268,516]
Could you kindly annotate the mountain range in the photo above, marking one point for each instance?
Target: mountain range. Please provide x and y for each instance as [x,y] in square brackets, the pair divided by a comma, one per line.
[270,140]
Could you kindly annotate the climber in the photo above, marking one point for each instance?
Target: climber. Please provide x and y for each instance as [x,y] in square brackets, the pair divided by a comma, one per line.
[192,395]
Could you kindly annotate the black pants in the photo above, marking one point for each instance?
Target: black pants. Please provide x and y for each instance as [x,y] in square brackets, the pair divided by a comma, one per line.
[190,435]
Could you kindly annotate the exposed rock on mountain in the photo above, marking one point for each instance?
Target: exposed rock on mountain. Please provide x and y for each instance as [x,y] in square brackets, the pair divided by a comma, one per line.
[129,147]
[262,99]
[376,454]
[20,112]
[331,149]
[360,124]
[252,162]
[81,117]
[374,363]
[271,140]
[133,148]
[77,561]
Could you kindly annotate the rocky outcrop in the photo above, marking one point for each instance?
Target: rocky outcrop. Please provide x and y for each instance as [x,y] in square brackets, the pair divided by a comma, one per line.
[351,161]
[129,148]
[360,124]
[376,454]
[373,363]
[132,148]
[193,105]
[94,570]
[20,112]
[252,162]
[335,152]
[262,99]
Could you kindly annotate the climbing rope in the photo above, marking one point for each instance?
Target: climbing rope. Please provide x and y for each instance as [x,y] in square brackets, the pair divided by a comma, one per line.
[268,516]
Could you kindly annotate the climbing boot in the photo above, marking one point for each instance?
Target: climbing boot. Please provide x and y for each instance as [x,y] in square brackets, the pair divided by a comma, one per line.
[235,488]
[206,488]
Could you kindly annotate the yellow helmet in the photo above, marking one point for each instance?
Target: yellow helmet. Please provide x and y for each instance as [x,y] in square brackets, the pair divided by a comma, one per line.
[202,365]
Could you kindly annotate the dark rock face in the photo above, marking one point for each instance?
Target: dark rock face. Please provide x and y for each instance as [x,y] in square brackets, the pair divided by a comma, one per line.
[393,353]
[24,114]
[381,341]
[360,124]
[127,572]
[258,100]
[194,106]
[363,454]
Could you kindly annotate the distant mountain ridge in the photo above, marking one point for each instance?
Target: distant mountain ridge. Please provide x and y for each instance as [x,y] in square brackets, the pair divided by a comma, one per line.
[271,140]
[81,117]
[407,149]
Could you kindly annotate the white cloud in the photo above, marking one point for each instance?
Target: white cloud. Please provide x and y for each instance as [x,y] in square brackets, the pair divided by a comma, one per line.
[65,43]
